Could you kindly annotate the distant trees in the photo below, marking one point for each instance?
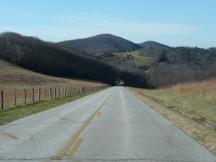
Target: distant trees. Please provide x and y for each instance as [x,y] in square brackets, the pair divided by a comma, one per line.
[182,64]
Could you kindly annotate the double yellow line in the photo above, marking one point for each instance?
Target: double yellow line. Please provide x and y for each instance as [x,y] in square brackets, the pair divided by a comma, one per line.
[75,141]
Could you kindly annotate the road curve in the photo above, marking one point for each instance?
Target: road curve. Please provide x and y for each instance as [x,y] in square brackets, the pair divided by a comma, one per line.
[111,125]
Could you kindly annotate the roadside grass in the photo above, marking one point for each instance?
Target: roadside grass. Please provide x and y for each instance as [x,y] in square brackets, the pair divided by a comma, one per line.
[9,115]
[191,106]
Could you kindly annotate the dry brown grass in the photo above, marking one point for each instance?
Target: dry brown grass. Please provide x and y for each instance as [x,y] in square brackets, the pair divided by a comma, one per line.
[12,76]
[206,89]
[203,87]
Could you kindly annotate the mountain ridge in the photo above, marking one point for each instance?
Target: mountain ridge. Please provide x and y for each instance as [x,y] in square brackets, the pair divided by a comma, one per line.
[101,43]
[153,44]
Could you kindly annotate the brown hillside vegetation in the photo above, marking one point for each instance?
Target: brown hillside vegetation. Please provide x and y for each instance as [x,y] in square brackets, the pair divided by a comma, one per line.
[12,76]
[205,87]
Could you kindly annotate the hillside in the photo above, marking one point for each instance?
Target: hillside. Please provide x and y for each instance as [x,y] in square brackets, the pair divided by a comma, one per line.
[12,76]
[155,65]
[167,66]
[49,58]
[152,44]
[182,64]
[150,59]
[134,60]
[101,44]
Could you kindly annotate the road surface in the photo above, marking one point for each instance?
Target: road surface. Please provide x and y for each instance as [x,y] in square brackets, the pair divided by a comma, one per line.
[111,125]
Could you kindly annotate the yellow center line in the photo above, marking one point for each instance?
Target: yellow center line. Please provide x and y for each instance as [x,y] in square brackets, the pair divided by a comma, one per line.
[72,151]
[75,141]
[10,135]
[98,114]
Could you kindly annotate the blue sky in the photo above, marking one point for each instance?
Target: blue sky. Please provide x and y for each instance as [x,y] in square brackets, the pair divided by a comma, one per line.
[172,22]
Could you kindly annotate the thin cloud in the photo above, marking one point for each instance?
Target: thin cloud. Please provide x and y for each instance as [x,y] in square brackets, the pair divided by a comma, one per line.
[72,27]
[113,25]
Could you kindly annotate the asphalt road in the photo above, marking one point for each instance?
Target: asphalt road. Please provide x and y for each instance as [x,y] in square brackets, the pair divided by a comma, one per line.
[111,125]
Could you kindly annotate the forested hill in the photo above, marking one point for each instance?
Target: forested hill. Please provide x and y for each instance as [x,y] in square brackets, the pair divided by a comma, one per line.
[48,58]
[152,44]
[101,43]
[166,66]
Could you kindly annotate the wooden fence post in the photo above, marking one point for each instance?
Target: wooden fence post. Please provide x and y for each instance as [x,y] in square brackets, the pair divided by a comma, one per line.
[50,93]
[2,99]
[59,89]
[39,94]
[25,96]
[45,94]
[33,95]
[75,91]
[55,92]
[66,92]
[15,99]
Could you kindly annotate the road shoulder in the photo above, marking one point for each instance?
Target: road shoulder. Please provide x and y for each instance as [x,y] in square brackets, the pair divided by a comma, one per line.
[203,135]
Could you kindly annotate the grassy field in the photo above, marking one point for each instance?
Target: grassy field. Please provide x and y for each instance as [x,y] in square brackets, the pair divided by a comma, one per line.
[191,106]
[12,76]
[139,59]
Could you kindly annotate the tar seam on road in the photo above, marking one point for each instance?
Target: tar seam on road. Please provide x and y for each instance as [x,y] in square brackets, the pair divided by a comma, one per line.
[74,142]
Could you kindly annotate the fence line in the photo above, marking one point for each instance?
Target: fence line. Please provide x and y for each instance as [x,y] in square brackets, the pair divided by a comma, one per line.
[17,97]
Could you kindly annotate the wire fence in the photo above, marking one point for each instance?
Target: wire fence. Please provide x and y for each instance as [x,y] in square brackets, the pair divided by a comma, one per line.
[17,97]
